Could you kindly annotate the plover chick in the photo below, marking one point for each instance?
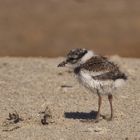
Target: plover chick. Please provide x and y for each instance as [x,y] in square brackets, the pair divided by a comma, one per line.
[96,73]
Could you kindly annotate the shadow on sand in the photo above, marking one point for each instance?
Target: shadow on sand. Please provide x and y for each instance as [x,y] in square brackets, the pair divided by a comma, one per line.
[81,115]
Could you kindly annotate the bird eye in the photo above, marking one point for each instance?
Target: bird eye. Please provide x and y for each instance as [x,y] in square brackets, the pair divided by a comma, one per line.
[71,58]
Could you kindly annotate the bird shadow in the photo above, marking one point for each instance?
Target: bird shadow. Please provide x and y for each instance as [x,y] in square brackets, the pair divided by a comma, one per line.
[81,115]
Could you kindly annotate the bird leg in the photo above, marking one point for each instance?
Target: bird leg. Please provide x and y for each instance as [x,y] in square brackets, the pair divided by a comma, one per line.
[98,113]
[110,97]
[99,108]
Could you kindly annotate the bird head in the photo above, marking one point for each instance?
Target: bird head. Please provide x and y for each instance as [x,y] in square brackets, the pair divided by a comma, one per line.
[74,57]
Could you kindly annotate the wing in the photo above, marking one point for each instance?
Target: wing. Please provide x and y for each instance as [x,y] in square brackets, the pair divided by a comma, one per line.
[102,69]
[99,63]
[112,75]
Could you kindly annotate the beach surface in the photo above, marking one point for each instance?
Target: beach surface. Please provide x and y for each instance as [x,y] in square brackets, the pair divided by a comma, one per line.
[30,85]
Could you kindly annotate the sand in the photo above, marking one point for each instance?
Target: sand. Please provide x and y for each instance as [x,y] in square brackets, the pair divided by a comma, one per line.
[29,85]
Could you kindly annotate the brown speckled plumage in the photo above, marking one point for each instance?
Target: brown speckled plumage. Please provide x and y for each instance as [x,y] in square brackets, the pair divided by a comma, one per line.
[99,63]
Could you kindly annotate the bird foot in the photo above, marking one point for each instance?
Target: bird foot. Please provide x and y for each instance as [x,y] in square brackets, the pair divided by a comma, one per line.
[108,118]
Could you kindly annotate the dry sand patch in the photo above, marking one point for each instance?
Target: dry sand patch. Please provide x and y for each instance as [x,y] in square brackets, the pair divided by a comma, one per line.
[29,85]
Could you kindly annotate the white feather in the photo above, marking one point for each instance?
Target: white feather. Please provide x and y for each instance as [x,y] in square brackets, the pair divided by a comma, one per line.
[103,86]
[119,83]
[87,56]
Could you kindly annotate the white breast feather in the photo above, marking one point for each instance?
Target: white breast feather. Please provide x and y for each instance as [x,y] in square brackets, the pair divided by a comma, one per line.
[103,86]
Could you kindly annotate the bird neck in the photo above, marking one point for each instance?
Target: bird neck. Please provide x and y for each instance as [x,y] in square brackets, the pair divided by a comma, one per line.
[87,56]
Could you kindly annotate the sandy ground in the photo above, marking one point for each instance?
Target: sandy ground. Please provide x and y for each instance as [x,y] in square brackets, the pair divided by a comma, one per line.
[29,85]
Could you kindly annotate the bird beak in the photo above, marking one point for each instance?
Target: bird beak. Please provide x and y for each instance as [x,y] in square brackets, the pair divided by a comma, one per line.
[62,64]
